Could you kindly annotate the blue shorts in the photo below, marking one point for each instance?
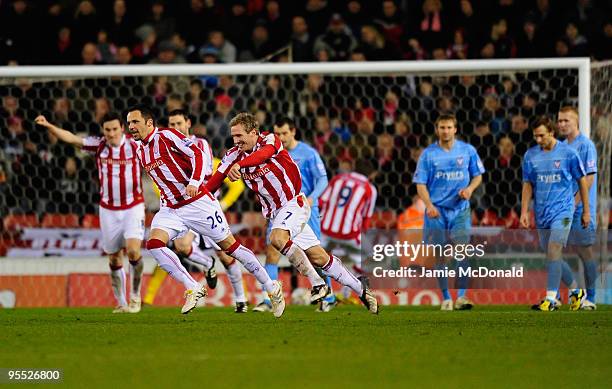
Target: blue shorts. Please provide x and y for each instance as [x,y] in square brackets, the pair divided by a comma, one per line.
[314,222]
[556,231]
[579,236]
[451,226]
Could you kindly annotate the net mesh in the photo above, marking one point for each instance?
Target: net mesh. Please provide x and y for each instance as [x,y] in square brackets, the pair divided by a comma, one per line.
[387,119]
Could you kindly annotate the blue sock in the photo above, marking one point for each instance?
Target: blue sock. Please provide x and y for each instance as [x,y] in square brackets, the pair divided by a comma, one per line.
[567,276]
[590,278]
[554,269]
[443,282]
[272,270]
[332,297]
[462,281]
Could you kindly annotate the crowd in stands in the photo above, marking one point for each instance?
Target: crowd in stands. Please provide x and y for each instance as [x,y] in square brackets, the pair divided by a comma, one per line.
[214,31]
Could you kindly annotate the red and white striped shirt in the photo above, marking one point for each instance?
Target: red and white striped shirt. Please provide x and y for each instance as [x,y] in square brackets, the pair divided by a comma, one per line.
[275,181]
[347,204]
[173,162]
[207,165]
[119,172]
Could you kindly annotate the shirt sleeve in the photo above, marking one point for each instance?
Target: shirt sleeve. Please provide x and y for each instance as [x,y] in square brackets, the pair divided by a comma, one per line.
[476,167]
[575,165]
[527,169]
[317,169]
[590,158]
[421,175]
[91,143]
[187,147]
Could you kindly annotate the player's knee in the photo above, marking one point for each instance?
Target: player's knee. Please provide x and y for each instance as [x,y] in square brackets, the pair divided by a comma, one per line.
[278,239]
[133,253]
[182,248]
[154,243]
[115,260]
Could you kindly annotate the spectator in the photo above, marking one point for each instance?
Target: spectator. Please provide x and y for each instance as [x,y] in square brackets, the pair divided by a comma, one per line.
[577,42]
[216,127]
[163,24]
[317,16]
[529,43]
[520,134]
[145,50]
[355,16]
[193,99]
[101,108]
[18,27]
[107,51]
[459,48]
[602,45]
[374,46]
[90,55]
[64,50]
[124,55]
[338,41]
[432,28]
[391,23]
[86,22]
[160,89]
[260,44]
[238,27]
[61,110]
[301,42]
[277,26]
[167,53]
[227,51]
[504,46]
[120,28]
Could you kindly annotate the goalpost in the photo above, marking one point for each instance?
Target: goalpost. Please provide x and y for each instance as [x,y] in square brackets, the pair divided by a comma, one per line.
[349,110]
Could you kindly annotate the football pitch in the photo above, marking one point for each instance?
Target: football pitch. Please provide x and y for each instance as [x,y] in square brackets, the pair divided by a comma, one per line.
[491,346]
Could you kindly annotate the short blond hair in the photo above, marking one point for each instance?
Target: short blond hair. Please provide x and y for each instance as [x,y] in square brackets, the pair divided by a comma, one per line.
[247,120]
[569,108]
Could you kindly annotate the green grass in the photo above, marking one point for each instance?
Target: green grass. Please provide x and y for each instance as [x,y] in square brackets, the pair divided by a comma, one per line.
[492,346]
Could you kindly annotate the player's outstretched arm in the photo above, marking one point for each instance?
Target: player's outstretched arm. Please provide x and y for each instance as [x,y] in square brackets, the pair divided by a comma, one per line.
[432,211]
[525,200]
[61,134]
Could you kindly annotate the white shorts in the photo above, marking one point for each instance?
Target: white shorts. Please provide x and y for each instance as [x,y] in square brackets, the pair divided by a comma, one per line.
[208,242]
[203,216]
[119,225]
[343,249]
[293,217]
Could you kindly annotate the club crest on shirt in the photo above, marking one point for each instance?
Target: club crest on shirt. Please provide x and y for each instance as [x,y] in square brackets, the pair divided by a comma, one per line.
[460,161]
[591,163]
[557,164]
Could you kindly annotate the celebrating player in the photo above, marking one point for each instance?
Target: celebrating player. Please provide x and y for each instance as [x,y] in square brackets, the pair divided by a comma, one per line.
[176,165]
[549,172]
[267,168]
[347,205]
[189,245]
[584,239]
[447,174]
[121,202]
[314,181]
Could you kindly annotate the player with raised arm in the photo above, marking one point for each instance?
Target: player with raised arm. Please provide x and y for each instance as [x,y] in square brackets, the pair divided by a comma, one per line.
[267,168]
[121,202]
[176,165]
[582,238]
[447,173]
[549,172]
[347,205]
[314,181]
